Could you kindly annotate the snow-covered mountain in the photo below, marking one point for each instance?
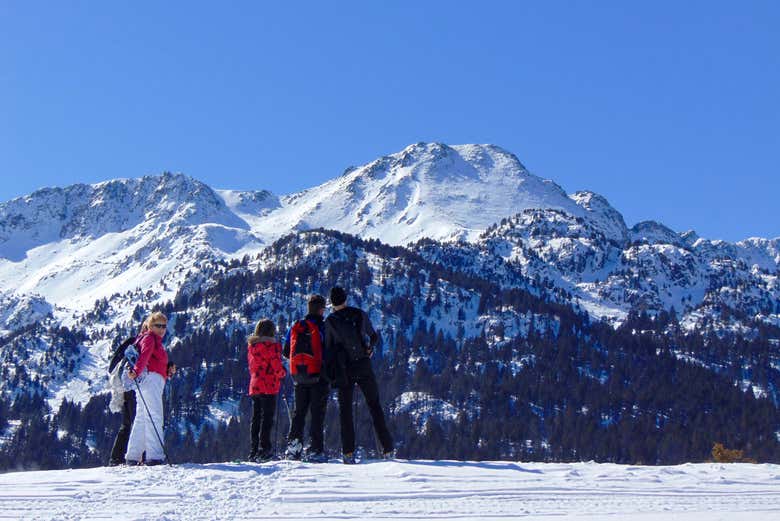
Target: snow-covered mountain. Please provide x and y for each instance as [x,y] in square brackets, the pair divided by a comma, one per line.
[472,261]
[72,246]
[427,190]
[77,244]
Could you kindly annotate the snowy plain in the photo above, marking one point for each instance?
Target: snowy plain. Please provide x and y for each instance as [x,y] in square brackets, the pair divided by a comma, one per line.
[397,489]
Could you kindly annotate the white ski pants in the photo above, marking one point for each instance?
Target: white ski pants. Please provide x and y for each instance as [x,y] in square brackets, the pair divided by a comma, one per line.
[142,435]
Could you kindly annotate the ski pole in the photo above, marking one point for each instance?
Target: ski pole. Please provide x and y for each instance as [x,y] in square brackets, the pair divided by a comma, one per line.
[355,422]
[138,388]
[289,415]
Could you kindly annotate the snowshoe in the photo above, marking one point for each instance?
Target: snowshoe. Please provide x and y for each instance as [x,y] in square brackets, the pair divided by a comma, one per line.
[316,457]
[294,450]
[264,456]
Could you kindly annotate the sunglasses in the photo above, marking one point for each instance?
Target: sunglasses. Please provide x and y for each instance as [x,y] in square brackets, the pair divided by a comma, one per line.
[160,326]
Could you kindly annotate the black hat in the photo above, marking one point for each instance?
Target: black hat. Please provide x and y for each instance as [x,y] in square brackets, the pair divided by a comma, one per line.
[338,296]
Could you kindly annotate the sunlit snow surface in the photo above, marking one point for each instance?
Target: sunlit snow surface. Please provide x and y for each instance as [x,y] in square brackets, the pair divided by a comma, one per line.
[397,490]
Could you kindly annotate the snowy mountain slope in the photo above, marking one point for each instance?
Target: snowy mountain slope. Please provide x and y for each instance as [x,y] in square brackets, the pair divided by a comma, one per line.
[73,246]
[66,243]
[464,359]
[427,190]
[656,270]
[18,312]
[79,266]
[400,489]
[82,243]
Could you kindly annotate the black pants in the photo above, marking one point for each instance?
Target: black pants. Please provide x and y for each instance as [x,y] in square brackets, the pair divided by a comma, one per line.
[120,442]
[361,373]
[263,410]
[310,398]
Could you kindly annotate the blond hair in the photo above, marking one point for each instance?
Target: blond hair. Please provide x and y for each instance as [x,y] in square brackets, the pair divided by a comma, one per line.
[154,317]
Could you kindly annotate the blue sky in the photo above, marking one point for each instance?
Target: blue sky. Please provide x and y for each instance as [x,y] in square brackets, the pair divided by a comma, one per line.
[671,110]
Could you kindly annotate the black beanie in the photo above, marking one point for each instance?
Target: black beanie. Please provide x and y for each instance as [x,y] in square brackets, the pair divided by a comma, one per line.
[338,296]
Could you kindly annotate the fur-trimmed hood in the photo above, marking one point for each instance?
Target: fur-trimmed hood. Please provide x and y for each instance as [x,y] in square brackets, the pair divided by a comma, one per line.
[254,339]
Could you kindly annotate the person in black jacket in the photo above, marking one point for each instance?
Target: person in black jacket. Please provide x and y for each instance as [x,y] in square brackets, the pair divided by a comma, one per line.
[350,340]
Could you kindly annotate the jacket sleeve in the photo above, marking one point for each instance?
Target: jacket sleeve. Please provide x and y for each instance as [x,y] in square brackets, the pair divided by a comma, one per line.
[277,362]
[147,345]
[374,339]
[328,344]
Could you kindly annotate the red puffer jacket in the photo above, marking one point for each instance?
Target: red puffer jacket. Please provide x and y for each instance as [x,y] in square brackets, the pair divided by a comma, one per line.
[266,371]
[152,355]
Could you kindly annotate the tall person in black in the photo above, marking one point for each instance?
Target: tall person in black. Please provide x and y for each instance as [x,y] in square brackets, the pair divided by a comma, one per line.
[303,346]
[350,340]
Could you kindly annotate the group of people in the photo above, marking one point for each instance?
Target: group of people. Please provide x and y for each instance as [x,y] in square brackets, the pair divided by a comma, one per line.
[322,353]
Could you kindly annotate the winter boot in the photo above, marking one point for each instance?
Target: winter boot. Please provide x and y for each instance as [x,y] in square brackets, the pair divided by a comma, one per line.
[294,450]
[316,457]
[348,458]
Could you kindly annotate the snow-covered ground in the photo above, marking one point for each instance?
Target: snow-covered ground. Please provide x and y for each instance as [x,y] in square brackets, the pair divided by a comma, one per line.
[397,490]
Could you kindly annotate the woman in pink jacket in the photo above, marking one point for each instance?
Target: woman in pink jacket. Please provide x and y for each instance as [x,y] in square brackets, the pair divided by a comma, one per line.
[264,356]
[150,372]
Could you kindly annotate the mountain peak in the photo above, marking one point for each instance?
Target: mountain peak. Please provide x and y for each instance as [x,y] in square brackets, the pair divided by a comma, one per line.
[84,211]
[603,214]
[429,190]
[654,232]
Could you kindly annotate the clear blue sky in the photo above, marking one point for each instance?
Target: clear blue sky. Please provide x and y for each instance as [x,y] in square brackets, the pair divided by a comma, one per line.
[670,109]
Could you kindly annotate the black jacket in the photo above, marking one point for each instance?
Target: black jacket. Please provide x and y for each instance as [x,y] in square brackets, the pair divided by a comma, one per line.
[349,330]
[350,339]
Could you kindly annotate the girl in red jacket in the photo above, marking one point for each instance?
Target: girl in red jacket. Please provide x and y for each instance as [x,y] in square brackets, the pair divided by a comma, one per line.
[264,355]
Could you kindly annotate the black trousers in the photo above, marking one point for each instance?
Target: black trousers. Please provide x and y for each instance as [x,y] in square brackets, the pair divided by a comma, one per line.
[263,410]
[120,442]
[311,398]
[361,373]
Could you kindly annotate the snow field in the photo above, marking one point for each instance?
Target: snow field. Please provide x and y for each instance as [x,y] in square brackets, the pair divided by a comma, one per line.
[396,490]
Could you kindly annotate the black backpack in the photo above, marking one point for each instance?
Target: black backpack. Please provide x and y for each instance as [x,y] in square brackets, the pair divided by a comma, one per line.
[348,328]
[119,353]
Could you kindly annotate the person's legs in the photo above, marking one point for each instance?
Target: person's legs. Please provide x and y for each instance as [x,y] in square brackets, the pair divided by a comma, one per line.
[370,390]
[302,399]
[345,417]
[136,443]
[257,411]
[120,443]
[152,388]
[269,408]
[295,436]
[319,402]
